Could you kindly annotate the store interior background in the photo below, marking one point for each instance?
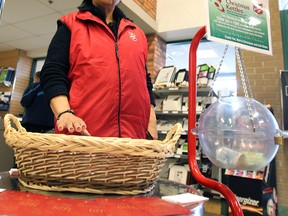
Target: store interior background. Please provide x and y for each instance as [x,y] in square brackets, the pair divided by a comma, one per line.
[27,27]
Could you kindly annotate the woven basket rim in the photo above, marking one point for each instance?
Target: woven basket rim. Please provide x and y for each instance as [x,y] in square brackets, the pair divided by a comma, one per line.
[19,137]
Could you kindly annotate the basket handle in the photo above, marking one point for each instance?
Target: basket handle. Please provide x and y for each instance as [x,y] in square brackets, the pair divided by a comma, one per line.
[7,124]
[173,135]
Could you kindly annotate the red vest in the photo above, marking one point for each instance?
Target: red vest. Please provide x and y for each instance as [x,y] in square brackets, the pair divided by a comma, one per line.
[108,77]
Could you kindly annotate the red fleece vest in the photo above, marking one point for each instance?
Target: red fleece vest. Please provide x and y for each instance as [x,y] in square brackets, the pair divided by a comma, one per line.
[108,76]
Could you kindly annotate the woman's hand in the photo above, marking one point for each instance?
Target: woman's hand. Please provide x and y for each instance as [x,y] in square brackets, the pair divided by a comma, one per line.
[67,120]
[72,123]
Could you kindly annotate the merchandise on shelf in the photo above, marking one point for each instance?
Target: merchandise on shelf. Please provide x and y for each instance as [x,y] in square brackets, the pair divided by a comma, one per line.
[173,102]
[170,77]
[205,75]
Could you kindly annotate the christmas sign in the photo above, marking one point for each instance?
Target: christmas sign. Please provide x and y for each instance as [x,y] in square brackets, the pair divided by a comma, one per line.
[241,23]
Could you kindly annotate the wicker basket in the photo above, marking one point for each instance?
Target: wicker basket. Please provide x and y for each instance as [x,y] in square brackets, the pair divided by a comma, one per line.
[58,162]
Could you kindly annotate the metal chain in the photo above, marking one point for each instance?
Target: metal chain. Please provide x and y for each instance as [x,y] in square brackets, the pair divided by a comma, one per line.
[218,69]
[244,78]
[245,84]
[203,102]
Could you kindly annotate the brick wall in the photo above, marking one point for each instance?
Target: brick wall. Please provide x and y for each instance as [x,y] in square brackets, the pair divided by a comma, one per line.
[150,6]
[263,73]
[22,76]
[156,45]
[156,54]
[22,64]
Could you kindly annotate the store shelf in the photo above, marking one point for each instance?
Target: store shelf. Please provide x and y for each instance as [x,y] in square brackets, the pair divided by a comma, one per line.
[172,113]
[183,132]
[167,118]
[184,157]
[201,92]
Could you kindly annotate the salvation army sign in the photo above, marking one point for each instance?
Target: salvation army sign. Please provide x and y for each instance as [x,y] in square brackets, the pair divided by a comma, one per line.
[241,23]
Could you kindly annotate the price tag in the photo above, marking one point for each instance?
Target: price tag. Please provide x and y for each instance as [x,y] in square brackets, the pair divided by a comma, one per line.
[172,89]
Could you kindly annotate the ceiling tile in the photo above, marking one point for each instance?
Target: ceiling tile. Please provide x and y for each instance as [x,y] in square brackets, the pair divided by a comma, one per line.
[68,11]
[44,24]
[17,11]
[62,5]
[47,37]
[28,43]
[2,22]
[9,32]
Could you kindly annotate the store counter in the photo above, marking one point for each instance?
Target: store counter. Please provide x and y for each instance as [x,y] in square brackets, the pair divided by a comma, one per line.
[163,187]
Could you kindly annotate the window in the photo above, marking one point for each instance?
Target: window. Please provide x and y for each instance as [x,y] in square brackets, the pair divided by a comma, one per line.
[39,64]
[208,52]
[36,66]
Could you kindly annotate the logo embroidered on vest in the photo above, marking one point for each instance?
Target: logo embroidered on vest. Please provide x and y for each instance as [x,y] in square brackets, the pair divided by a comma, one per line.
[132,36]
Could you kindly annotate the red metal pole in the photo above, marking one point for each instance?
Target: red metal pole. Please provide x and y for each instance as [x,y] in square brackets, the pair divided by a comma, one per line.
[209,183]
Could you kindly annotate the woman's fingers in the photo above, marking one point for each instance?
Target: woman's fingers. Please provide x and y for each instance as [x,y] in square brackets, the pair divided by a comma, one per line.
[85,132]
[72,123]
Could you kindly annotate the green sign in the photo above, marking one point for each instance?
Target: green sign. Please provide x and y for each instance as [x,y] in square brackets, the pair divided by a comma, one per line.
[241,23]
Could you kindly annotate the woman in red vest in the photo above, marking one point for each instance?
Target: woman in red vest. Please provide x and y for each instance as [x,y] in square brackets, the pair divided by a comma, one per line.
[95,74]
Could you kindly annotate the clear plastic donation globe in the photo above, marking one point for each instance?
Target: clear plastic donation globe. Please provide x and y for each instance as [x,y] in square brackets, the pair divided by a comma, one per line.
[233,140]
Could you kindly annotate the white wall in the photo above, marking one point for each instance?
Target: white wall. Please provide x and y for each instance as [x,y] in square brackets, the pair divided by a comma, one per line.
[180,19]
[176,20]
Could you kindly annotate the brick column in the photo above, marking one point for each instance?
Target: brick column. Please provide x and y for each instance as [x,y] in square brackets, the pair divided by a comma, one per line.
[156,54]
[263,73]
[150,6]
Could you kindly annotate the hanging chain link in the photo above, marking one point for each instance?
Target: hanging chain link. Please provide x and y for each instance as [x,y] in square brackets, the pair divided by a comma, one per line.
[244,81]
[210,94]
[244,78]
[245,84]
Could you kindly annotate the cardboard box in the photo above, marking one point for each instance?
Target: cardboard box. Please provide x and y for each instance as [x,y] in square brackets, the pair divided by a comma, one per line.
[256,195]
[179,174]
[166,125]
[173,103]
[159,104]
